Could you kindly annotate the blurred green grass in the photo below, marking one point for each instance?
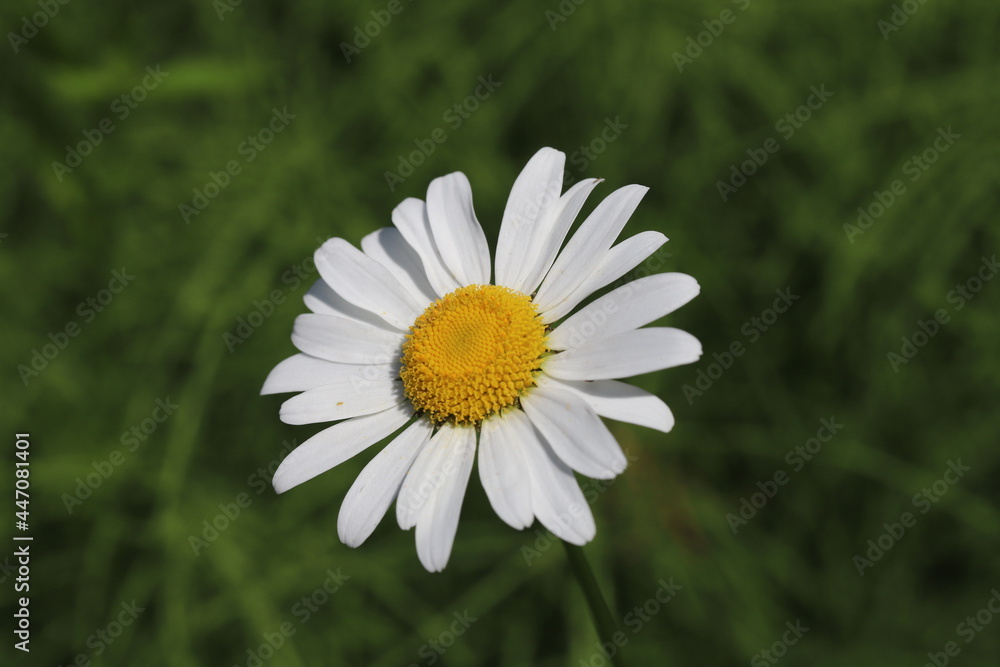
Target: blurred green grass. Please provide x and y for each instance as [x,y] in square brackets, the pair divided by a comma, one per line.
[325,176]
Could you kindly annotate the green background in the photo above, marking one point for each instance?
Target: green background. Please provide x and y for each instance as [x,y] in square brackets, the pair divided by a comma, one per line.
[324,175]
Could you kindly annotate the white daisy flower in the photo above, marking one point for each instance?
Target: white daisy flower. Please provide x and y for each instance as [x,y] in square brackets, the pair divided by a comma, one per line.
[410,334]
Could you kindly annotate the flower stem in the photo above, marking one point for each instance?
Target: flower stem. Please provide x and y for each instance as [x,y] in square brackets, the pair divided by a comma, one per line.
[604,622]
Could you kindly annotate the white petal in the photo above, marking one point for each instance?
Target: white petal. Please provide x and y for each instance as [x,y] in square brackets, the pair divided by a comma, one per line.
[410,218]
[619,401]
[556,498]
[534,193]
[366,283]
[457,233]
[321,299]
[625,354]
[351,397]
[426,475]
[503,470]
[345,341]
[551,233]
[375,488]
[588,244]
[334,445]
[615,263]
[302,372]
[388,247]
[575,432]
[630,306]
[438,521]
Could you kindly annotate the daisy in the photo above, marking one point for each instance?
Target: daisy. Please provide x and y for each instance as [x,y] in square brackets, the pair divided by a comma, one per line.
[410,336]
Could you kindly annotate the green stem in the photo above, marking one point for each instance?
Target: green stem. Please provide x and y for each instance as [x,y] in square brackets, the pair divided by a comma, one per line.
[604,622]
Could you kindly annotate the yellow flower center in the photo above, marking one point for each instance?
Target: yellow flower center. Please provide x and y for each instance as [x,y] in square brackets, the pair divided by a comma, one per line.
[472,353]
